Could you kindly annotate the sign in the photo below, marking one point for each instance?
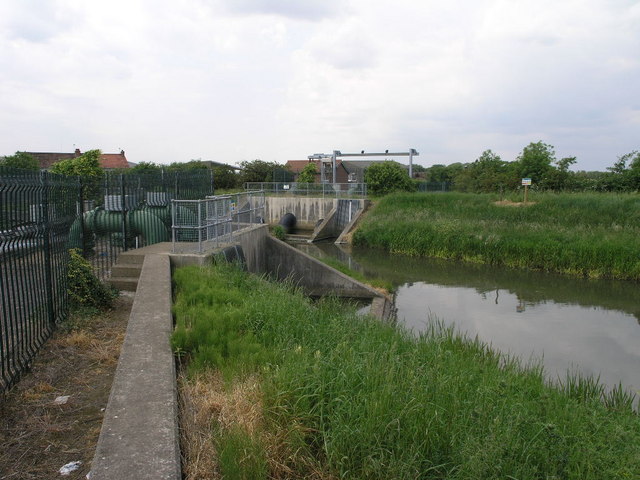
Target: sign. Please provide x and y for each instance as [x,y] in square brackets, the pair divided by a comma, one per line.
[526,181]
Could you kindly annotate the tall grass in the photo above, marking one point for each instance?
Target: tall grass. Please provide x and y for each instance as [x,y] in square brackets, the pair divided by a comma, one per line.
[349,397]
[594,235]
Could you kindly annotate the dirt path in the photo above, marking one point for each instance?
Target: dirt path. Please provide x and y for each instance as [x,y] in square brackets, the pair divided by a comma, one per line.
[37,435]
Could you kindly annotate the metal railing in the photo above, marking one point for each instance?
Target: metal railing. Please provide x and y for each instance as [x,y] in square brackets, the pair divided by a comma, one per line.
[36,211]
[200,224]
[337,190]
[124,212]
[43,215]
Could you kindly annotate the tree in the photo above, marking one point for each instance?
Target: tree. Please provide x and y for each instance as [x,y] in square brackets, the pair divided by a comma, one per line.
[308,173]
[535,161]
[488,173]
[144,167]
[189,166]
[560,177]
[21,160]
[86,165]
[225,177]
[386,177]
[258,171]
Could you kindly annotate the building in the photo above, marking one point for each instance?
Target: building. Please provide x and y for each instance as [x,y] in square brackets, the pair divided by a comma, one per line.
[108,161]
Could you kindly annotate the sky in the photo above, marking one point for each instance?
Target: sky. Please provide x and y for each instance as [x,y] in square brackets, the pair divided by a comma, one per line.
[278,80]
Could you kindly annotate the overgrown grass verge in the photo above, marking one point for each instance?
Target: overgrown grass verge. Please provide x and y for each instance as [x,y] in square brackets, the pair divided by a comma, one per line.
[594,235]
[343,396]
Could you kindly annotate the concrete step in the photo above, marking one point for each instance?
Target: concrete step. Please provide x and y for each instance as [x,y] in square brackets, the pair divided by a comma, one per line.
[126,270]
[128,284]
[131,258]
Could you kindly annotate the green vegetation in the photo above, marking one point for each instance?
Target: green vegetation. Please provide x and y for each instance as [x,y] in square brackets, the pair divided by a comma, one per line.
[279,232]
[83,287]
[490,173]
[386,177]
[22,160]
[308,173]
[349,397]
[594,235]
[86,165]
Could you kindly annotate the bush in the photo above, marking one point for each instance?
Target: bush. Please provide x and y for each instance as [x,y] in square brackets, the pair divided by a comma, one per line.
[83,287]
[278,232]
[386,177]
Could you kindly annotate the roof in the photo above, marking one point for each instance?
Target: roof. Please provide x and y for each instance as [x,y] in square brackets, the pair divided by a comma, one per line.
[212,164]
[47,159]
[108,161]
[113,160]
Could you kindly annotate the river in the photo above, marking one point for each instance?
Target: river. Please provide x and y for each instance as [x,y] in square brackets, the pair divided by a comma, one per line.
[571,324]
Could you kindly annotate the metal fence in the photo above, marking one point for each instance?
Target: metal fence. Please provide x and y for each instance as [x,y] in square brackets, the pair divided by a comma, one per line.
[434,186]
[122,212]
[197,224]
[43,215]
[338,190]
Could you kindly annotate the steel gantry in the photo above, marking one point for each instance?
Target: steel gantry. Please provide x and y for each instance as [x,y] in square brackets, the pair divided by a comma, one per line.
[338,154]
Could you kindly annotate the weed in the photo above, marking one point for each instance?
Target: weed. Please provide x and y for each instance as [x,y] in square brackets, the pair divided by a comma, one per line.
[591,235]
[350,397]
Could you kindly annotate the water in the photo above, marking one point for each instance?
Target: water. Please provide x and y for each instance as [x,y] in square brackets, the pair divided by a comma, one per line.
[586,326]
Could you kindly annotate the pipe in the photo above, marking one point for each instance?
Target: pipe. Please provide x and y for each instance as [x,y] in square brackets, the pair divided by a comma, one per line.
[139,222]
[288,222]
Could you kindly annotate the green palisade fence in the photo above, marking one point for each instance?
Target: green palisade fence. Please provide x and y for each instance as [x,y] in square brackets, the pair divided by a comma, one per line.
[43,215]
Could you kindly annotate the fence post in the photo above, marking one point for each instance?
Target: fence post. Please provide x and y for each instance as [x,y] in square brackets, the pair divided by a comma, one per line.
[46,230]
[123,209]
[81,213]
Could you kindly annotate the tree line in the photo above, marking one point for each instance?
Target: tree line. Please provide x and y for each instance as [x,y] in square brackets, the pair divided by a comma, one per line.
[490,173]
[226,176]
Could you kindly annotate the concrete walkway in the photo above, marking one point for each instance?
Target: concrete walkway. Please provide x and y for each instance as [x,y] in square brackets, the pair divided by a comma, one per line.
[139,437]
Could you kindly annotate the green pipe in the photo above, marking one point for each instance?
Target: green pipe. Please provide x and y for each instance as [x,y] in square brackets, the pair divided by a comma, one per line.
[139,222]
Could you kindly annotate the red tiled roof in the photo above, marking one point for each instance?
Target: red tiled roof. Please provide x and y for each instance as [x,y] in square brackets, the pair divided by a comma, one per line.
[108,161]
[46,159]
[113,160]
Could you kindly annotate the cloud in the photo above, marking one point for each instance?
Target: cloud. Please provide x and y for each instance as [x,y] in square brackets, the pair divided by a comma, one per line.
[312,10]
[244,79]
[34,20]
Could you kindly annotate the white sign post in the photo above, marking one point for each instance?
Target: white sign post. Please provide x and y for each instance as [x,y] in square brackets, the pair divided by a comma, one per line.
[526,182]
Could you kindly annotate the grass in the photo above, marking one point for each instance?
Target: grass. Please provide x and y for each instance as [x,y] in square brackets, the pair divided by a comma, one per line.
[343,396]
[591,235]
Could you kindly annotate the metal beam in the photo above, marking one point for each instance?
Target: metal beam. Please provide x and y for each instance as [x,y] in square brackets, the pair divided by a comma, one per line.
[338,154]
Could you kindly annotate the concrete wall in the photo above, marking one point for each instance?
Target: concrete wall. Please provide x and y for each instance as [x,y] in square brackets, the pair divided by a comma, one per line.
[252,240]
[307,210]
[285,262]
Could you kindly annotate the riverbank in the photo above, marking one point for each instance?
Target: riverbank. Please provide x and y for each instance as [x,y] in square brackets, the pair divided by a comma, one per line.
[276,386]
[591,235]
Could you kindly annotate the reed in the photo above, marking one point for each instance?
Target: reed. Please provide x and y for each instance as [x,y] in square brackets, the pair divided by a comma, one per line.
[345,396]
[591,235]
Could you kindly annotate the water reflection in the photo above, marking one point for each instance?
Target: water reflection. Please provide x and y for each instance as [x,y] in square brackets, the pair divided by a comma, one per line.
[590,326]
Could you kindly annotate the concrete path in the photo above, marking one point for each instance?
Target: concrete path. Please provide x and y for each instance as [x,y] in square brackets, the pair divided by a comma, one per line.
[139,437]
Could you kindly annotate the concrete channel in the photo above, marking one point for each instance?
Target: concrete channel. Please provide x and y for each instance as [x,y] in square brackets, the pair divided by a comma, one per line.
[139,438]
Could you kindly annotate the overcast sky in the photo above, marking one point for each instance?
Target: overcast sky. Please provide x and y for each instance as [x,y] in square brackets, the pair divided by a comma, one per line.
[233,80]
